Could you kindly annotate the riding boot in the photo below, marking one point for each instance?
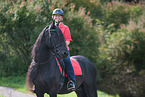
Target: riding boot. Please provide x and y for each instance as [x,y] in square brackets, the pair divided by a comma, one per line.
[71,75]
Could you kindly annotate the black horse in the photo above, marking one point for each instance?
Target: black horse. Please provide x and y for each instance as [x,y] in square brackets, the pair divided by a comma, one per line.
[44,72]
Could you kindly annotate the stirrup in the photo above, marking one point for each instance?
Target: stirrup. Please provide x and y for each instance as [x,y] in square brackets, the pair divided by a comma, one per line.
[73,85]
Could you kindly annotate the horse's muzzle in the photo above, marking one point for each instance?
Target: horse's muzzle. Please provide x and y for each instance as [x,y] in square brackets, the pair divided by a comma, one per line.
[64,54]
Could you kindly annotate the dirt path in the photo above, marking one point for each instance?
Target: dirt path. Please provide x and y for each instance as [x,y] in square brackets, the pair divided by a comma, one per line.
[10,92]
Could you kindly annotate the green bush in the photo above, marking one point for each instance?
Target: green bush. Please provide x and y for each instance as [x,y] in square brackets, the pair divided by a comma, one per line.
[17,27]
[137,43]
[120,13]
[121,59]
[125,47]
[85,39]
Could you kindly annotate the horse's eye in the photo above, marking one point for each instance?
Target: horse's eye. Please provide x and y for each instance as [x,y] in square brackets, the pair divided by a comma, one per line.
[57,50]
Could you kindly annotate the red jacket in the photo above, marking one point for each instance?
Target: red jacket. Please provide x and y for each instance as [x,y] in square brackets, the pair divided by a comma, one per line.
[66,32]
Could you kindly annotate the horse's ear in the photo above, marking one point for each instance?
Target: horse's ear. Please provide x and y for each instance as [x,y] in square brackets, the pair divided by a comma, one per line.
[53,25]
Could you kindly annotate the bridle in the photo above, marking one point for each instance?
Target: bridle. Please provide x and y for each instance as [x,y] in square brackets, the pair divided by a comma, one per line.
[55,49]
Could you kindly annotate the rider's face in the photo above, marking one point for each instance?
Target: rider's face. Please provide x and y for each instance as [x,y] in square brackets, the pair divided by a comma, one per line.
[57,17]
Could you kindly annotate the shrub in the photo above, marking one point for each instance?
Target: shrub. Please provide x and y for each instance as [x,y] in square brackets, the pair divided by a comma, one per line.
[120,13]
[137,43]
[17,26]
[85,39]
[122,60]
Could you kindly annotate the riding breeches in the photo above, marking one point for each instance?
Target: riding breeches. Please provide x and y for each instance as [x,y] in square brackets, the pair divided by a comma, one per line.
[69,68]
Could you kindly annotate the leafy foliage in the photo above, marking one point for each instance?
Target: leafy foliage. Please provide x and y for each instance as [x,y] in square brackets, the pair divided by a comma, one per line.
[16,31]
[120,13]
[85,39]
[122,57]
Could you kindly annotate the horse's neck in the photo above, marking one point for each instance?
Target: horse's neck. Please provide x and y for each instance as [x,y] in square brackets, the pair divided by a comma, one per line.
[43,55]
[48,65]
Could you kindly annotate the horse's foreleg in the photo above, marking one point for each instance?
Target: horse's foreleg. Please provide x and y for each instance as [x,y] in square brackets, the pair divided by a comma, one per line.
[40,94]
[53,95]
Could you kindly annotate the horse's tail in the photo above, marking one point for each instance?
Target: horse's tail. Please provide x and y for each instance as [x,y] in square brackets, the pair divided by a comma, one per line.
[30,76]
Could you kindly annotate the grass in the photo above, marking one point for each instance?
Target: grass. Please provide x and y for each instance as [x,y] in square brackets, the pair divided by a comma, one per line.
[73,94]
[18,83]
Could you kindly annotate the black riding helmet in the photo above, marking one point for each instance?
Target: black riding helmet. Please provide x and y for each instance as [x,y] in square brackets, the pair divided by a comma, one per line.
[57,11]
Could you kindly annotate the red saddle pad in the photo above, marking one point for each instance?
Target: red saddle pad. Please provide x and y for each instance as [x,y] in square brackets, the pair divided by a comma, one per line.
[76,67]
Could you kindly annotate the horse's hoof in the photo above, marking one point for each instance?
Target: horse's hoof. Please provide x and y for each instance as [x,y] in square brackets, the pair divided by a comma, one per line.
[32,90]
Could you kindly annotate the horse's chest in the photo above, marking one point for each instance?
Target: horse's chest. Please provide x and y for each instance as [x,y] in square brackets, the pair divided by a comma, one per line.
[48,77]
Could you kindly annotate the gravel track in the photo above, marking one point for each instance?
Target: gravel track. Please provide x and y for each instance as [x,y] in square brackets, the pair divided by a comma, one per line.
[10,92]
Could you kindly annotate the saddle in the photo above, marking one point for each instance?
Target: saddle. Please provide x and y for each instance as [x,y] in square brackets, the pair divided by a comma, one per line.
[76,67]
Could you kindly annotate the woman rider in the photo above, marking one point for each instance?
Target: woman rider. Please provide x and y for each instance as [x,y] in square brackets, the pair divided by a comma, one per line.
[57,15]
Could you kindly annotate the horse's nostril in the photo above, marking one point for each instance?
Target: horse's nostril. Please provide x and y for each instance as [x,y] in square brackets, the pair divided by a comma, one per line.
[65,53]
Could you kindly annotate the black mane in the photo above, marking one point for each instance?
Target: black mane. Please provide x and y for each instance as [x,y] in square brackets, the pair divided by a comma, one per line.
[38,43]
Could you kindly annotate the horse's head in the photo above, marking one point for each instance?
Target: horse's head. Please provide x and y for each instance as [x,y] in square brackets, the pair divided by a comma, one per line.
[56,41]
